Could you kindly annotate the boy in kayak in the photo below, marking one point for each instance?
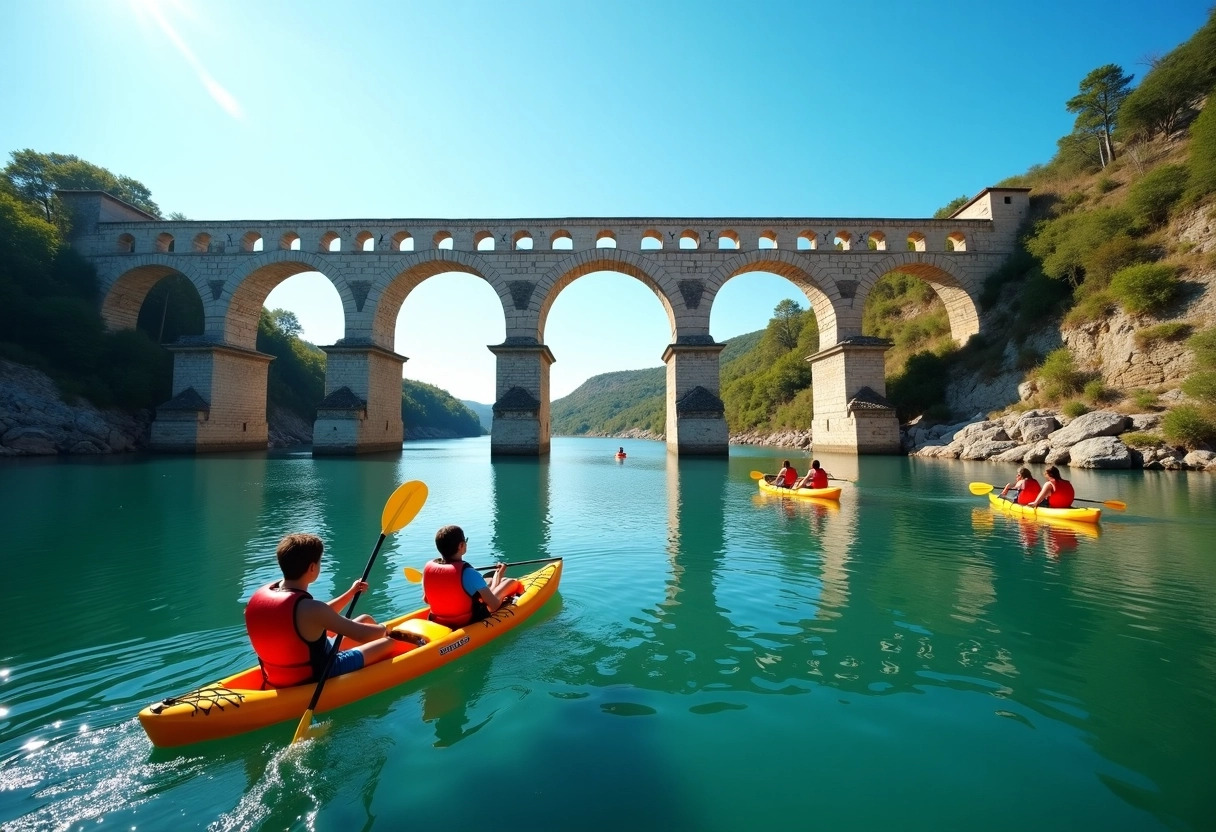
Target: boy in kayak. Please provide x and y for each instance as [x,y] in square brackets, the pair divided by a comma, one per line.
[815,478]
[787,476]
[456,592]
[1057,491]
[1022,490]
[288,627]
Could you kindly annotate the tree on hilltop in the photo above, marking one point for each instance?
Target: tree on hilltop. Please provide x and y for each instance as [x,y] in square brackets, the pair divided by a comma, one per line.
[35,177]
[1103,92]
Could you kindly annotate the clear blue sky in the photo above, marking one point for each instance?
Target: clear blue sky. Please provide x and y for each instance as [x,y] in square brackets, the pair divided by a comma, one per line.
[301,109]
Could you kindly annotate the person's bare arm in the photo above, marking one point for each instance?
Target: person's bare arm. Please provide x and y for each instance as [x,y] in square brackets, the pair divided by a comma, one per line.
[314,618]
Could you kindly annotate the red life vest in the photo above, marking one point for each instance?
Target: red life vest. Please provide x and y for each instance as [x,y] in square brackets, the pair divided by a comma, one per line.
[1030,489]
[450,605]
[791,476]
[286,658]
[1061,495]
[819,478]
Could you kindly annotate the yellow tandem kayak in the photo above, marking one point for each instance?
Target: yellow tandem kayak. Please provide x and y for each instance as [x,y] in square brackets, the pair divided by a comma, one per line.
[1074,514]
[766,485]
[238,703]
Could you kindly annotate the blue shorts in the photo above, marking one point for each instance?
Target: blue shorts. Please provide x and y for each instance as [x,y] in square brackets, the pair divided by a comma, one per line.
[345,662]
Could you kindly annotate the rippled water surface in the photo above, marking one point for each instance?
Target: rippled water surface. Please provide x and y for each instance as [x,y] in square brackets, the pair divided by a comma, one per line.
[715,659]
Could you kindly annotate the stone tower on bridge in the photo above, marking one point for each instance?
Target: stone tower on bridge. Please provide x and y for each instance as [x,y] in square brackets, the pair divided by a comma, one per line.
[219,377]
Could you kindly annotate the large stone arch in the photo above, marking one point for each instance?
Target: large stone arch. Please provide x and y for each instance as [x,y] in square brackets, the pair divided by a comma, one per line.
[236,322]
[570,269]
[124,294]
[384,300]
[958,294]
[793,267]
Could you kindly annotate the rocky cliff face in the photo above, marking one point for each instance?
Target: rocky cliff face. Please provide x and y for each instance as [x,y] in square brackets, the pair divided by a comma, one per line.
[35,421]
[1108,347]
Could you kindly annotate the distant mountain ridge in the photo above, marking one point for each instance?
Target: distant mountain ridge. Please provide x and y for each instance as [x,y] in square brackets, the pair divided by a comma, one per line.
[485,412]
[628,401]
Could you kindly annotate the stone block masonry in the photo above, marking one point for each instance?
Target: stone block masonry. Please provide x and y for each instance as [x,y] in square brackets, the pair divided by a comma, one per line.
[375,264]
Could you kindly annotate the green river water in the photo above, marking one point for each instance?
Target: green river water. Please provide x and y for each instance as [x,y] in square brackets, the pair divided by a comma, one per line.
[715,659]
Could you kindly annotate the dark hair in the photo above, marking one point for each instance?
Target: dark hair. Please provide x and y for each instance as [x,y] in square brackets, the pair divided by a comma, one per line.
[1024,473]
[814,463]
[448,540]
[1053,472]
[297,552]
[785,464]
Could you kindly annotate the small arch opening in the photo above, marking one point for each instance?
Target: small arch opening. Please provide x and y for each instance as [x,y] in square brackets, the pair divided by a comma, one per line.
[876,241]
[290,241]
[365,241]
[443,239]
[202,243]
[689,239]
[522,241]
[483,241]
[126,243]
[728,240]
[561,240]
[164,242]
[768,239]
[843,241]
[402,241]
[916,241]
[605,239]
[252,241]
[956,241]
[808,241]
[652,240]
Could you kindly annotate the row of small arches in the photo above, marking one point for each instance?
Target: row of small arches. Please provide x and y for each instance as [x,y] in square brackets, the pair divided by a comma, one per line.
[561,240]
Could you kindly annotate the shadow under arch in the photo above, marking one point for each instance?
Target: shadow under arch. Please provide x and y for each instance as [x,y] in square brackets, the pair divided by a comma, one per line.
[239,324]
[790,266]
[125,295]
[410,271]
[958,295]
[583,263]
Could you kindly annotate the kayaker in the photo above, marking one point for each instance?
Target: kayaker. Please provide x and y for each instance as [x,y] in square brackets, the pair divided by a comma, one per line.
[787,476]
[815,478]
[287,626]
[1057,491]
[456,592]
[1022,490]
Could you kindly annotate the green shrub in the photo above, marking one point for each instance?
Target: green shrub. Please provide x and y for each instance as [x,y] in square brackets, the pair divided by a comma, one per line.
[1144,399]
[1151,198]
[1145,288]
[1059,374]
[1137,439]
[1203,345]
[1188,425]
[1096,392]
[1091,306]
[1106,185]
[1173,331]
[1202,386]
[1202,160]
[1074,409]
[1112,255]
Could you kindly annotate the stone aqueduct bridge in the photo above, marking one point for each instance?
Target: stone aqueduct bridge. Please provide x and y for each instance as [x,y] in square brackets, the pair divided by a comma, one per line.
[219,378]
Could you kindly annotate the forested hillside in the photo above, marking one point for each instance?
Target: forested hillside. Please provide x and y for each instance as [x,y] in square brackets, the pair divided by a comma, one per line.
[49,317]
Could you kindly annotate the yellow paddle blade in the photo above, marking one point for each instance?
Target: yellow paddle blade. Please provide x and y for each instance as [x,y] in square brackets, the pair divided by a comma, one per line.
[1115,504]
[302,732]
[403,506]
[757,475]
[412,575]
[980,488]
